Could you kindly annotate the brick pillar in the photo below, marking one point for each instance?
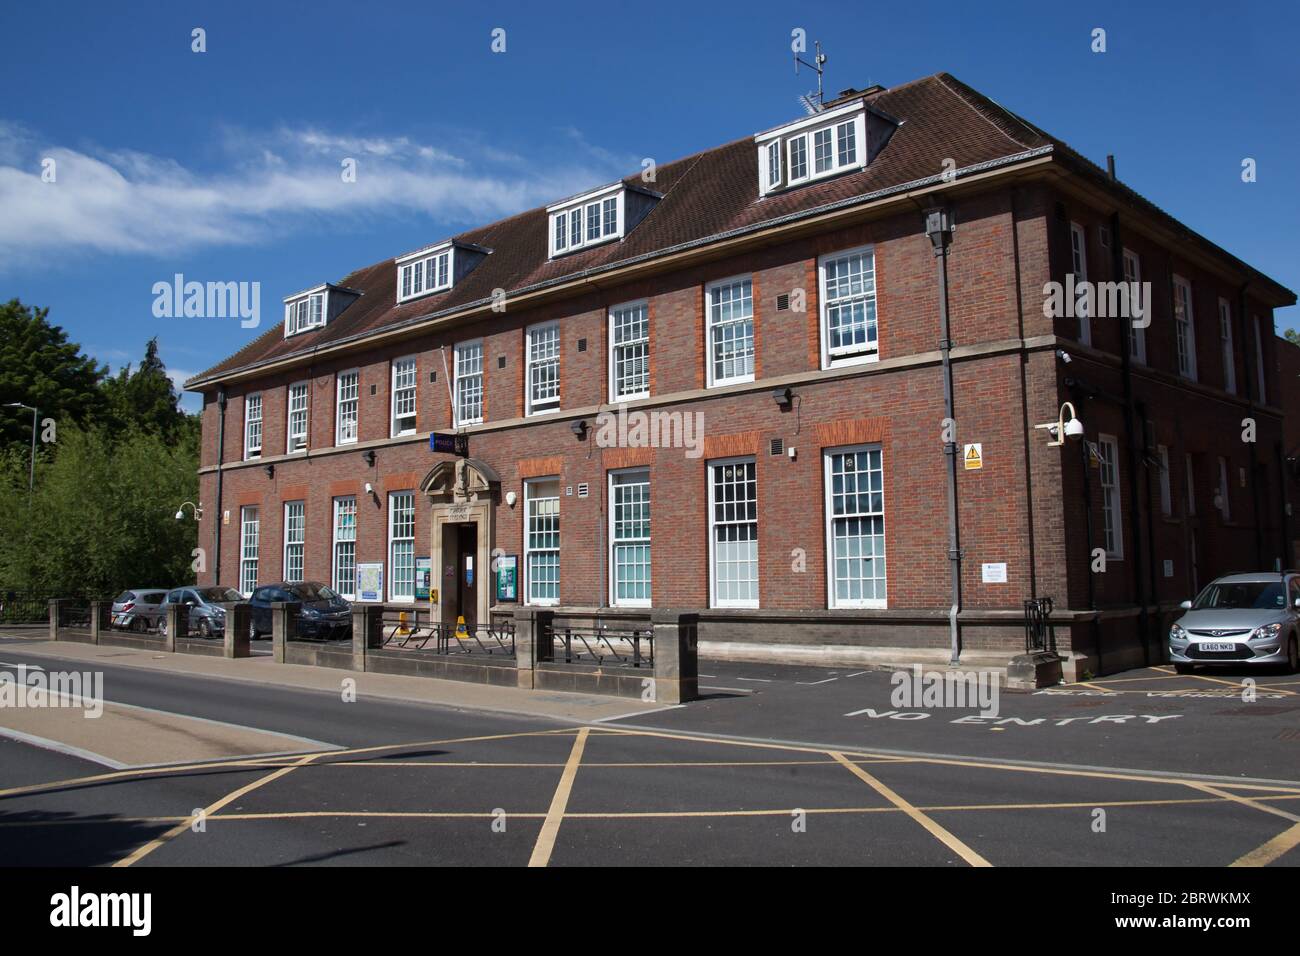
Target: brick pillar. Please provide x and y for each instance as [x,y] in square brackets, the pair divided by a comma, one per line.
[178,625]
[532,641]
[367,632]
[284,625]
[676,655]
[235,634]
[99,611]
[56,608]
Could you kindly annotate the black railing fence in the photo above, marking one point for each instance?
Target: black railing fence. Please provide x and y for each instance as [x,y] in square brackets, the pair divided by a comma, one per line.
[1040,632]
[415,629]
[25,607]
[622,644]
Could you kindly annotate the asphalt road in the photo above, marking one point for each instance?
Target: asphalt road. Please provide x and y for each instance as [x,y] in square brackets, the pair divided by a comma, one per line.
[778,765]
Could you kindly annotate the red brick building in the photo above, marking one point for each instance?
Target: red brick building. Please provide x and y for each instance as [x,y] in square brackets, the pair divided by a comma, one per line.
[769,316]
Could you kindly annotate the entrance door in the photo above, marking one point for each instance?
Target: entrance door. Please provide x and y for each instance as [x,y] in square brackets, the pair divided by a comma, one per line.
[468,575]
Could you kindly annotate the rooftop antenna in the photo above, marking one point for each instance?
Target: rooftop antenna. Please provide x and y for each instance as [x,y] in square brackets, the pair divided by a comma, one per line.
[819,65]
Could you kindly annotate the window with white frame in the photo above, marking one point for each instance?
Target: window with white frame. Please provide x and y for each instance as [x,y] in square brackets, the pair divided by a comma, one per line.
[303,313]
[542,541]
[815,147]
[1166,490]
[1225,502]
[346,414]
[733,533]
[253,426]
[297,426]
[1225,345]
[731,331]
[855,526]
[629,518]
[345,547]
[424,274]
[629,351]
[401,546]
[1259,363]
[403,389]
[1112,532]
[248,533]
[1079,266]
[295,539]
[1139,309]
[1190,474]
[543,378]
[469,383]
[848,307]
[587,220]
[1184,328]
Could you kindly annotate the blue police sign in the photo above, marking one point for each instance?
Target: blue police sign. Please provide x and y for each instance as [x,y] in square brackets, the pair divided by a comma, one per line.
[449,444]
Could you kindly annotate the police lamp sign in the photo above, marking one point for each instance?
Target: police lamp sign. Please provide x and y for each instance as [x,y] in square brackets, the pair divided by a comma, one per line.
[449,444]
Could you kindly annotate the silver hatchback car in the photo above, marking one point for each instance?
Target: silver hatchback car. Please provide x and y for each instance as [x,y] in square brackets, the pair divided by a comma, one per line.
[1241,619]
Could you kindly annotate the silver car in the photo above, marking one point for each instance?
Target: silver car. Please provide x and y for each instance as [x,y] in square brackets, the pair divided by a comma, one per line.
[1241,619]
[138,609]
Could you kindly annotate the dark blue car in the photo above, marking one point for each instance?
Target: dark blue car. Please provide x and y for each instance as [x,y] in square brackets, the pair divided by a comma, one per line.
[322,614]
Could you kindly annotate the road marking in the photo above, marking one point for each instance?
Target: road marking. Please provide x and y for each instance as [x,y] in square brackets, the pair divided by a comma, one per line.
[1272,850]
[1239,686]
[141,852]
[637,713]
[858,674]
[46,743]
[731,690]
[814,683]
[551,826]
[757,680]
[1246,802]
[938,832]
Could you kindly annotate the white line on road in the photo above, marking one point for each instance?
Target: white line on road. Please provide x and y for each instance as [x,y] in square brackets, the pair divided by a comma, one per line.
[814,683]
[46,744]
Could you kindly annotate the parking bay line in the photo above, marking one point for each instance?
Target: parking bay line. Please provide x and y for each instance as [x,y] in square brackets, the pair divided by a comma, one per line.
[551,825]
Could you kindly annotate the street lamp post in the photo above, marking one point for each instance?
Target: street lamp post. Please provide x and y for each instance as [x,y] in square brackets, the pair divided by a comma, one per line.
[31,475]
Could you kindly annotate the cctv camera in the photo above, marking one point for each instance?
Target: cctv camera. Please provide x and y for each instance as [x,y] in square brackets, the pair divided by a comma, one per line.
[180,516]
[1074,428]
[370,489]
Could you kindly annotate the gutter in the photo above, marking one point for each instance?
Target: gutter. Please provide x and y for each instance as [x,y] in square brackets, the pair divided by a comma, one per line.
[221,459]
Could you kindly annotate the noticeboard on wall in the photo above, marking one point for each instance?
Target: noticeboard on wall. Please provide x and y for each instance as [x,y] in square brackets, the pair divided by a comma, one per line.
[423,578]
[507,577]
[370,581]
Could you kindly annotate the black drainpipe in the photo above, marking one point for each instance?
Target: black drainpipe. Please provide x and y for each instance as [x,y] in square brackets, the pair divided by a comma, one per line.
[938,227]
[1151,528]
[1087,511]
[221,460]
[1136,455]
[1252,389]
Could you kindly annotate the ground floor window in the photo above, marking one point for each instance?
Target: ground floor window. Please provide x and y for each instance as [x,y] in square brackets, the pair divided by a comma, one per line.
[542,541]
[248,533]
[401,546]
[629,515]
[345,547]
[295,537]
[855,526]
[733,534]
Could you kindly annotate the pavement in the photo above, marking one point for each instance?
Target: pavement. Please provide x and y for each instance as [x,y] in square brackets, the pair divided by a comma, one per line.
[777,765]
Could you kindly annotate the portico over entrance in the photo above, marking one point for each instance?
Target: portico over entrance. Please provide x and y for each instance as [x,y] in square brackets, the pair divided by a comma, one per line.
[462,494]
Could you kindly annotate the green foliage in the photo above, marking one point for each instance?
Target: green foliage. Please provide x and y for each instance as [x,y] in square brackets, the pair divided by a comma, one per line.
[102,516]
[1292,336]
[39,366]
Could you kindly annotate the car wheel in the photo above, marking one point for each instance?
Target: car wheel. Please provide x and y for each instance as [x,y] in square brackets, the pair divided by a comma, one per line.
[205,629]
[1292,656]
[138,625]
[252,631]
[1183,668]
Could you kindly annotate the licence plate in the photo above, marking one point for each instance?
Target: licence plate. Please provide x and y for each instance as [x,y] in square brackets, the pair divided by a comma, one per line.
[1208,646]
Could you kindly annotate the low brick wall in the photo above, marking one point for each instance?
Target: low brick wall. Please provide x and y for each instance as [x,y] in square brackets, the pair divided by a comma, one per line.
[148,642]
[580,679]
[319,655]
[478,669]
[203,647]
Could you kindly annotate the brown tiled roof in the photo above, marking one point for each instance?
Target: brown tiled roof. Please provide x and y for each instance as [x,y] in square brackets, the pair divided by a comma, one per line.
[705,197]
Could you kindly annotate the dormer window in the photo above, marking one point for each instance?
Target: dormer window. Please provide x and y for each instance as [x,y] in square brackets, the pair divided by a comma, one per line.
[587,220]
[425,272]
[305,311]
[815,147]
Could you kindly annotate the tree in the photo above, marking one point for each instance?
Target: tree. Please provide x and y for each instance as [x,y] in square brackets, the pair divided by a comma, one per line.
[40,367]
[1292,336]
[103,515]
[146,398]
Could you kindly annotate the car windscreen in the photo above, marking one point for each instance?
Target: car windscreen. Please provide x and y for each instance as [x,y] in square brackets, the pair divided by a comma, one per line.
[124,597]
[1257,595]
[311,592]
[216,595]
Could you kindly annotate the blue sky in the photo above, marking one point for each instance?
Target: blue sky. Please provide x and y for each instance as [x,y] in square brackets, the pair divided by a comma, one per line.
[225,165]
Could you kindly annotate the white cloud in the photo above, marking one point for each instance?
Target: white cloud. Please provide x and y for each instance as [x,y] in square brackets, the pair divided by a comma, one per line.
[268,184]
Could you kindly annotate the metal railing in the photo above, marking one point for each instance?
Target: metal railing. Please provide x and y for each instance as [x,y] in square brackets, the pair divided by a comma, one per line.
[1040,632]
[622,645]
[25,607]
[74,615]
[415,629]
